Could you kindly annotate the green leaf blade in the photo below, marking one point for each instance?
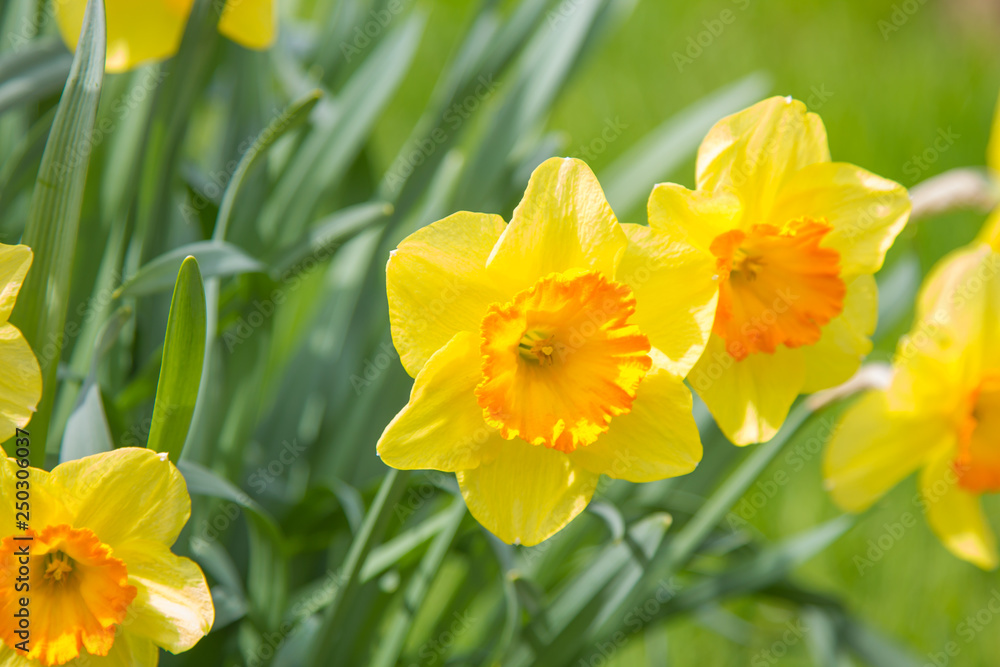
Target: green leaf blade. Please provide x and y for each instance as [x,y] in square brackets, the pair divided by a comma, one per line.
[54,215]
[180,371]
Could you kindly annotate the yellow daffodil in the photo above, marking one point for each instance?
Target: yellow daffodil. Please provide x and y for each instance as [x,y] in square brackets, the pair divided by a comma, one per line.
[103,588]
[546,352]
[139,32]
[941,413]
[20,376]
[796,239]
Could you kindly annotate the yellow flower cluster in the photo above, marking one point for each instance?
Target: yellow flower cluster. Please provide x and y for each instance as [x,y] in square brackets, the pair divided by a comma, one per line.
[556,348]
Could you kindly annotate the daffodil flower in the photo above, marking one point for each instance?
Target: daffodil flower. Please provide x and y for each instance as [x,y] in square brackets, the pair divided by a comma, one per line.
[104,589]
[796,239]
[20,376]
[546,352]
[941,413]
[148,30]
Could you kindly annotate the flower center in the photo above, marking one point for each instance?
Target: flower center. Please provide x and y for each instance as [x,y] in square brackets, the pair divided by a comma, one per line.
[978,462]
[778,286]
[561,359]
[78,593]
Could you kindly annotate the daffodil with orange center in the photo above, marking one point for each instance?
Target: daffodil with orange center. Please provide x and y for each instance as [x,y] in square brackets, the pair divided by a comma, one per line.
[20,375]
[940,414]
[796,239]
[546,352]
[141,31]
[94,565]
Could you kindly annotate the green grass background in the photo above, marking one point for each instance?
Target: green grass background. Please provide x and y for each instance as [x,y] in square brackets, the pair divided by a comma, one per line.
[889,92]
[887,76]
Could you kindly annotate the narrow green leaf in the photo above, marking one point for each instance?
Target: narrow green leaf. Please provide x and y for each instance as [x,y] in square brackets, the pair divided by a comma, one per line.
[87,430]
[16,62]
[291,118]
[874,649]
[17,170]
[180,370]
[768,566]
[327,153]
[331,232]
[611,516]
[33,74]
[376,521]
[54,216]
[391,645]
[387,555]
[675,552]
[215,259]
[203,482]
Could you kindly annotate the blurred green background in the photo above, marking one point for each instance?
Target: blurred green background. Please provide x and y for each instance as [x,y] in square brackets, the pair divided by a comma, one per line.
[888,77]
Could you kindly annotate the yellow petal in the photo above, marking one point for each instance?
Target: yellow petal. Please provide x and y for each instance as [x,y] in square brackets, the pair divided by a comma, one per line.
[958,316]
[127,494]
[20,382]
[757,150]
[437,284]
[656,440]
[873,449]
[697,217]
[173,607]
[528,493]
[675,291]
[846,340]
[15,260]
[563,222]
[250,23]
[993,148]
[956,516]
[50,503]
[751,398]
[127,651]
[442,426]
[138,32]
[865,211]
